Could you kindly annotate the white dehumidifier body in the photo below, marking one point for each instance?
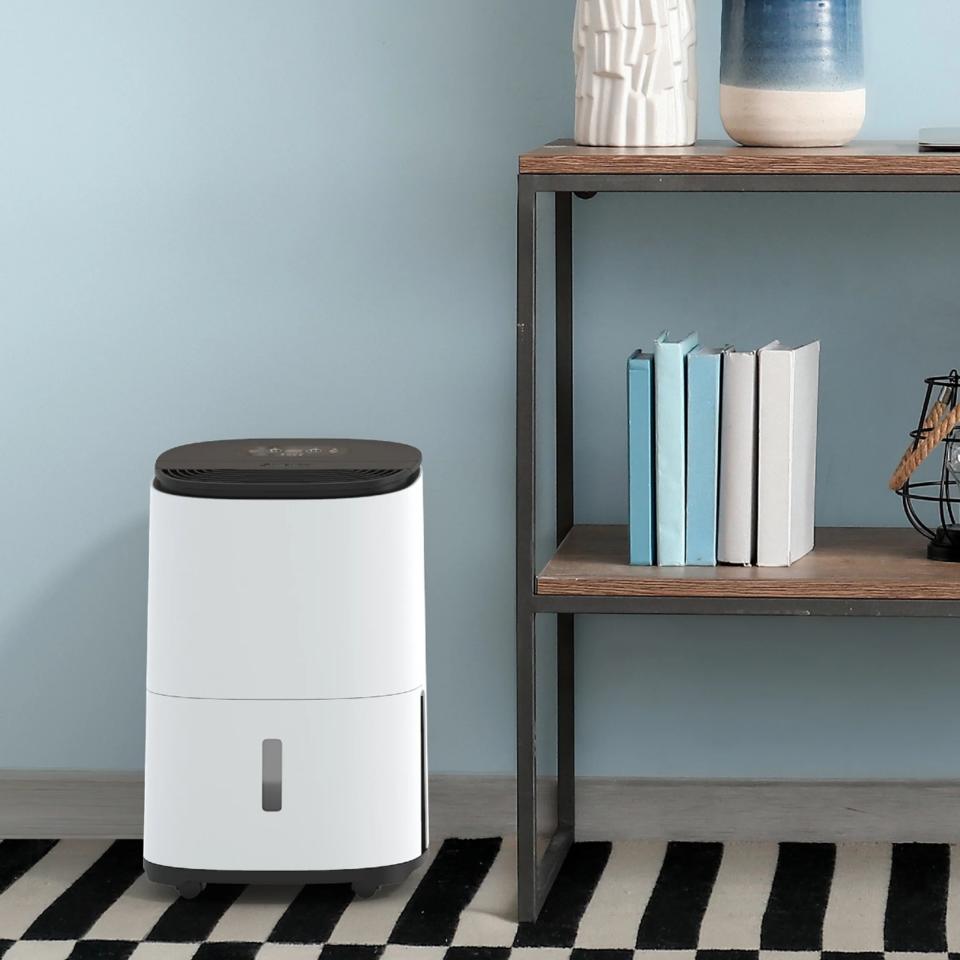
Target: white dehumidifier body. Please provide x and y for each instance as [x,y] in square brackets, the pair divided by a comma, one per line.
[286,719]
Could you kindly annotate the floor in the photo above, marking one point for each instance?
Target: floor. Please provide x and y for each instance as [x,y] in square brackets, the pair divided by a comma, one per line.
[86,899]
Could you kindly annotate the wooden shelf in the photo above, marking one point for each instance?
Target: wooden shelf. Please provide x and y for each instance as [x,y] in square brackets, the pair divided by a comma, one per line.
[849,563]
[722,157]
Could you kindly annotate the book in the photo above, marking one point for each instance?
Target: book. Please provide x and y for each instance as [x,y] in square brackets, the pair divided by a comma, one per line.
[669,362]
[737,505]
[703,454]
[640,457]
[787,453]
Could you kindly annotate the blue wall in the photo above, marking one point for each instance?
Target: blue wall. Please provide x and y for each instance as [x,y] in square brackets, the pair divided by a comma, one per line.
[239,217]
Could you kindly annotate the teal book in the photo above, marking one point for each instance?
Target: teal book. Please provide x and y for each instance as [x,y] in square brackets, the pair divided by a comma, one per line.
[640,457]
[703,455]
[670,432]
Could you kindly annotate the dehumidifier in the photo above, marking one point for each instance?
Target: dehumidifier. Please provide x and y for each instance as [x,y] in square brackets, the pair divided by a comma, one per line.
[286,720]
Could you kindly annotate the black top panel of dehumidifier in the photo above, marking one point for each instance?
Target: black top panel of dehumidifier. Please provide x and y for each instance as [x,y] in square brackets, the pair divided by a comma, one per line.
[287,469]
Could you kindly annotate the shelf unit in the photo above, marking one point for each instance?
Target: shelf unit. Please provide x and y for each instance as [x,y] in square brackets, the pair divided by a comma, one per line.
[852,572]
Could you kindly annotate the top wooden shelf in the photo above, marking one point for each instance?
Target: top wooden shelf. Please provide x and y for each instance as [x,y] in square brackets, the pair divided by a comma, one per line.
[711,157]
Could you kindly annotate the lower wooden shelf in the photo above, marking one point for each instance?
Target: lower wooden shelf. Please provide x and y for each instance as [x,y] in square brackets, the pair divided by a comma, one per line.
[849,563]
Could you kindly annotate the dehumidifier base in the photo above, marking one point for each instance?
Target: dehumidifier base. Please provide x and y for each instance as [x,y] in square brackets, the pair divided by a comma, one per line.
[365,881]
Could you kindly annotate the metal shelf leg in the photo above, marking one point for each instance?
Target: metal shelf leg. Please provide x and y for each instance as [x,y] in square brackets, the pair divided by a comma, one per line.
[535,876]
[528,904]
[563,240]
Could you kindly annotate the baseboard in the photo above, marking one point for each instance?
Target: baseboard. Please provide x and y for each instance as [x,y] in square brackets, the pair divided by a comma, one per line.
[84,804]
[67,803]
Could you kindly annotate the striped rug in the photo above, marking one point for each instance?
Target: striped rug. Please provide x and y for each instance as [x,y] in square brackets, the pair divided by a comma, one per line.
[87,899]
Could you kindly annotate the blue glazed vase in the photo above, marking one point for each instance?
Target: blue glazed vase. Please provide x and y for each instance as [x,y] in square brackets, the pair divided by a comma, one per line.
[791,72]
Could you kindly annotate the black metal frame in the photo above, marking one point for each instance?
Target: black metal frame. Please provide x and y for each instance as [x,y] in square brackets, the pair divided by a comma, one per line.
[535,875]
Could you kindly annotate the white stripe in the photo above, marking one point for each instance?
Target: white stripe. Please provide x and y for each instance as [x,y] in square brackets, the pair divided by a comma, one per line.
[541,953]
[669,955]
[613,915]
[397,951]
[806,955]
[739,897]
[288,951]
[133,914]
[163,951]
[40,950]
[953,902]
[490,920]
[858,897]
[252,916]
[23,901]
[371,921]
[898,955]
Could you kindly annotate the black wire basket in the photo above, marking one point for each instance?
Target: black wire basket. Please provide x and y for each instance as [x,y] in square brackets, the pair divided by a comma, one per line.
[933,506]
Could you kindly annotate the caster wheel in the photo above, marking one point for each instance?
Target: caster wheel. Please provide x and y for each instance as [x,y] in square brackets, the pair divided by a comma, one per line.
[365,889]
[190,889]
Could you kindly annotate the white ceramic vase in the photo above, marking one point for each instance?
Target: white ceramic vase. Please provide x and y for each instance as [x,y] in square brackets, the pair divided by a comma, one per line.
[636,73]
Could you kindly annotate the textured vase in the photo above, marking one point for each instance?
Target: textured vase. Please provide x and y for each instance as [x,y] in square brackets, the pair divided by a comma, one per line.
[791,72]
[636,73]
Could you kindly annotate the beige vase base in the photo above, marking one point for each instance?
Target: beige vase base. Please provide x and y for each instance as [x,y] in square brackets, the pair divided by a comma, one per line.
[792,118]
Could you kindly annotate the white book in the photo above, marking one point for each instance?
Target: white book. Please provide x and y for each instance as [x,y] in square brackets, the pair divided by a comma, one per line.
[737,509]
[787,456]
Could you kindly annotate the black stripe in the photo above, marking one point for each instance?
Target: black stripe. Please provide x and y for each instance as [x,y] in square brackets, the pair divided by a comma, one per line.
[5,945]
[312,914]
[432,913]
[852,955]
[478,953]
[566,902]
[190,921]
[584,953]
[227,950]
[680,896]
[103,949]
[798,898]
[79,907]
[916,918]
[18,856]
[351,951]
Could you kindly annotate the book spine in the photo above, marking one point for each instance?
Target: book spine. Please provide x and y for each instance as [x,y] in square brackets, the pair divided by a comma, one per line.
[640,458]
[671,455]
[775,457]
[804,474]
[736,520]
[703,443]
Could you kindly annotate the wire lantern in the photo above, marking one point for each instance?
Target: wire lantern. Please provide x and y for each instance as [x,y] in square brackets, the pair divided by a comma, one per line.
[933,506]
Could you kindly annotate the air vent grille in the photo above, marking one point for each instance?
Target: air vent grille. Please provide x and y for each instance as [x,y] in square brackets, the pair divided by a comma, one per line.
[291,475]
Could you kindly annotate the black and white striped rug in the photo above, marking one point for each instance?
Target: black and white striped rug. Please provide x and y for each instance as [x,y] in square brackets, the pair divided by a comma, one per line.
[89,900]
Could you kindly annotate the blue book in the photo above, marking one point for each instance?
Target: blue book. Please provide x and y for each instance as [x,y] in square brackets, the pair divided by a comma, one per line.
[703,455]
[640,457]
[670,405]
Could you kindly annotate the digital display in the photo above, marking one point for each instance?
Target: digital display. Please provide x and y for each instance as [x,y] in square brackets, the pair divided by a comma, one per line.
[296,452]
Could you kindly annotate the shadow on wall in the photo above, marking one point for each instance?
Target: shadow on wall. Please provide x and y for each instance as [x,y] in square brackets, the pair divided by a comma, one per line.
[72,668]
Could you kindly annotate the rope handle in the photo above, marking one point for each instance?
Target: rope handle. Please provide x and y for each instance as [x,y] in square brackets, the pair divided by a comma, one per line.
[938,425]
